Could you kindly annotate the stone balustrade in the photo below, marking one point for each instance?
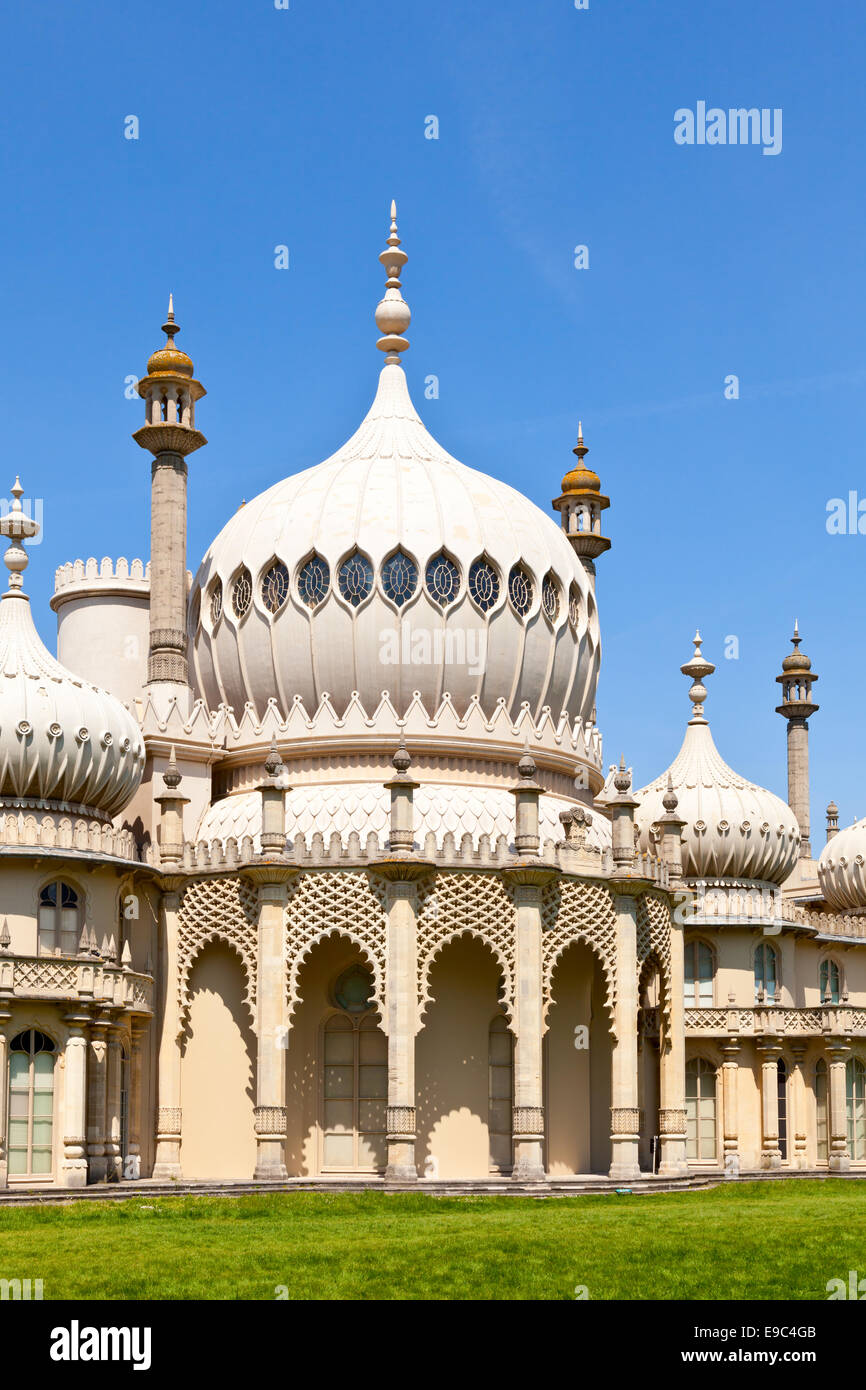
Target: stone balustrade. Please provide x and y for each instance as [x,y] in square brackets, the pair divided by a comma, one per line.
[86,981]
[772,1020]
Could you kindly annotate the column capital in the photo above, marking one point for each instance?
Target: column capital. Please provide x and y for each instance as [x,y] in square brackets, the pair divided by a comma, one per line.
[530,873]
[406,867]
[270,874]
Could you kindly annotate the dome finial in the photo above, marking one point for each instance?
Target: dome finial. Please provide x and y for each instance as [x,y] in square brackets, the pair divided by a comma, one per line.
[170,328]
[696,670]
[392,312]
[17,526]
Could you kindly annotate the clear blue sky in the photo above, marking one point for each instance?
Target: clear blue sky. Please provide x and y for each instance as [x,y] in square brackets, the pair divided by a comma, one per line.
[260,127]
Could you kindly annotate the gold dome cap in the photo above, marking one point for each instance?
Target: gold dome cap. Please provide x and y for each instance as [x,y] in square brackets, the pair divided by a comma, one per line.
[581,479]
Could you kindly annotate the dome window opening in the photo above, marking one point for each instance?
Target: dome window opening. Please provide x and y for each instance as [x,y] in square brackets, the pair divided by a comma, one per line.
[520,590]
[353,991]
[399,578]
[550,598]
[574,606]
[216,603]
[242,593]
[443,580]
[356,579]
[314,581]
[483,585]
[275,587]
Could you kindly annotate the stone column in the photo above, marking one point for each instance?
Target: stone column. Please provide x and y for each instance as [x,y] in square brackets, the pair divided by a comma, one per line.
[74,1163]
[168,1116]
[797,1124]
[625,1110]
[838,1053]
[528,882]
[113,1154]
[401,910]
[96,1100]
[137,1030]
[4,1095]
[271,882]
[770,1052]
[672,1075]
[730,1107]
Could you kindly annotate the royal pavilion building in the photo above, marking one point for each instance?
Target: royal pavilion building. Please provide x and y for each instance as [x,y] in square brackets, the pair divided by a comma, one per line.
[311,867]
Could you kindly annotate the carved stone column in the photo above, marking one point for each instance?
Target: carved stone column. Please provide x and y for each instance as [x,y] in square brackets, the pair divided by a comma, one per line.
[528,881]
[401,911]
[770,1052]
[168,1116]
[113,1153]
[625,1112]
[799,1157]
[838,1053]
[672,1072]
[730,1106]
[137,1030]
[271,882]
[74,1163]
[4,1095]
[96,1100]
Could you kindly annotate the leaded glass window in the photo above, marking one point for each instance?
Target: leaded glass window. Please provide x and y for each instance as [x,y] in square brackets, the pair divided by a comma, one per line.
[356,579]
[242,593]
[699,972]
[765,973]
[31,1104]
[574,606]
[550,598]
[59,920]
[443,580]
[483,585]
[354,1123]
[275,586]
[314,580]
[520,590]
[216,603]
[399,578]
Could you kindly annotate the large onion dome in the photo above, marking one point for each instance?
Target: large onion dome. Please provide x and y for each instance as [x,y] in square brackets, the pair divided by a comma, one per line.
[842,867]
[62,741]
[394,567]
[733,828]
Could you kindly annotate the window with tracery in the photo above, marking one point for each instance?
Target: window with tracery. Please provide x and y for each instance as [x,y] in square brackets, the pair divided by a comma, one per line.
[483,585]
[314,581]
[216,603]
[399,578]
[275,586]
[550,598]
[242,593]
[356,579]
[443,580]
[520,590]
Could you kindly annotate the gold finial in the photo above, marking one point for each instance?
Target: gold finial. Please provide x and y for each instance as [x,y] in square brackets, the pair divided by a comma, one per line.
[392,312]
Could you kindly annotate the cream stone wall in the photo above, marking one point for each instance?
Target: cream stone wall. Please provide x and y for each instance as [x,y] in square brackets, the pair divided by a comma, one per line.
[103,636]
[577,1088]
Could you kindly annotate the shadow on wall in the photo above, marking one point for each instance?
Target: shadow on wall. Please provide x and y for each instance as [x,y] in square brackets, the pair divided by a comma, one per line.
[218,1071]
[451,1062]
[577,1078]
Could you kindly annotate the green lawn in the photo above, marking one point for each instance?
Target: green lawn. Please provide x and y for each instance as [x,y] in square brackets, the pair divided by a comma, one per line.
[748,1240]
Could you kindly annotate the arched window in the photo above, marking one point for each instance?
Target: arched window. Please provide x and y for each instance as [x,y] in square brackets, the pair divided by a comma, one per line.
[700,1110]
[442,579]
[275,586]
[483,585]
[59,920]
[242,593]
[821,1126]
[500,1055]
[574,606]
[399,578]
[782,1092]
[699,971]
[828,980]
[520,590]
[356,579]
[31,1104]
[216,602]
[766,976]
[550,598]
[355,1089]
[314,579]
[855,1095]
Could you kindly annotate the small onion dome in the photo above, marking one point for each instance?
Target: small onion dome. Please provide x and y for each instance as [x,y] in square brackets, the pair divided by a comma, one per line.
[62,740]
[796,660]
[170,360]
[581,479]
[842,867]
[733,828]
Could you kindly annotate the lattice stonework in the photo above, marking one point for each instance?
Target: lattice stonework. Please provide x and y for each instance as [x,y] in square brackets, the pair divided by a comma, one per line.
[452,904]
[654,943]
[570,912]
[345,903]
[223,910]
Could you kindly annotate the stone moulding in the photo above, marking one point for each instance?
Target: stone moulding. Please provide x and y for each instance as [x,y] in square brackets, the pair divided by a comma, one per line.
[65,977]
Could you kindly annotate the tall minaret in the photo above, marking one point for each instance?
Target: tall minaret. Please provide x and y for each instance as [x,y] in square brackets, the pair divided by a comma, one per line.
[580,508]
[797,707]
[170,392]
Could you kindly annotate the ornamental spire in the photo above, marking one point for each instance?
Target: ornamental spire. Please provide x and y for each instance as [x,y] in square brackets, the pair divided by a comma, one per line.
[696,670]
[392,312]
[17,526]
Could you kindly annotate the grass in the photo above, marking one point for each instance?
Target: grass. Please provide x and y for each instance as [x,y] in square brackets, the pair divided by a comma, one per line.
[745,1240]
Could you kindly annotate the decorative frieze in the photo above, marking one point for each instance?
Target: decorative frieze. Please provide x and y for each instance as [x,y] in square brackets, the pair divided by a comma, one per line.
[625,1120]
[168,1122]
[528,1122]
[400,1121]
[672,1122]
[270,1119]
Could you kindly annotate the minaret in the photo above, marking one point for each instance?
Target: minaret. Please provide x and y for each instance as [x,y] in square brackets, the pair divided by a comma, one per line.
[797,707]
[170,392]
[580,506]
[832,820]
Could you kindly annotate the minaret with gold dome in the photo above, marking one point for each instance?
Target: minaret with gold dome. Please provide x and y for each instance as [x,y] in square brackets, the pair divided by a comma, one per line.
[170,392]
[797,707]
[580,507]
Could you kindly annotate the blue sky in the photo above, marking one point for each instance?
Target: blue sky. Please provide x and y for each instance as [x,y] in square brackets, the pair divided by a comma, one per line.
[261,127]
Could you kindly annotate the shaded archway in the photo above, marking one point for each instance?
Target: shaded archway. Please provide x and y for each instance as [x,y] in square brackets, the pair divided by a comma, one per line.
[452,1062]
[578,1066]
[336,1066]
[218,1070]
